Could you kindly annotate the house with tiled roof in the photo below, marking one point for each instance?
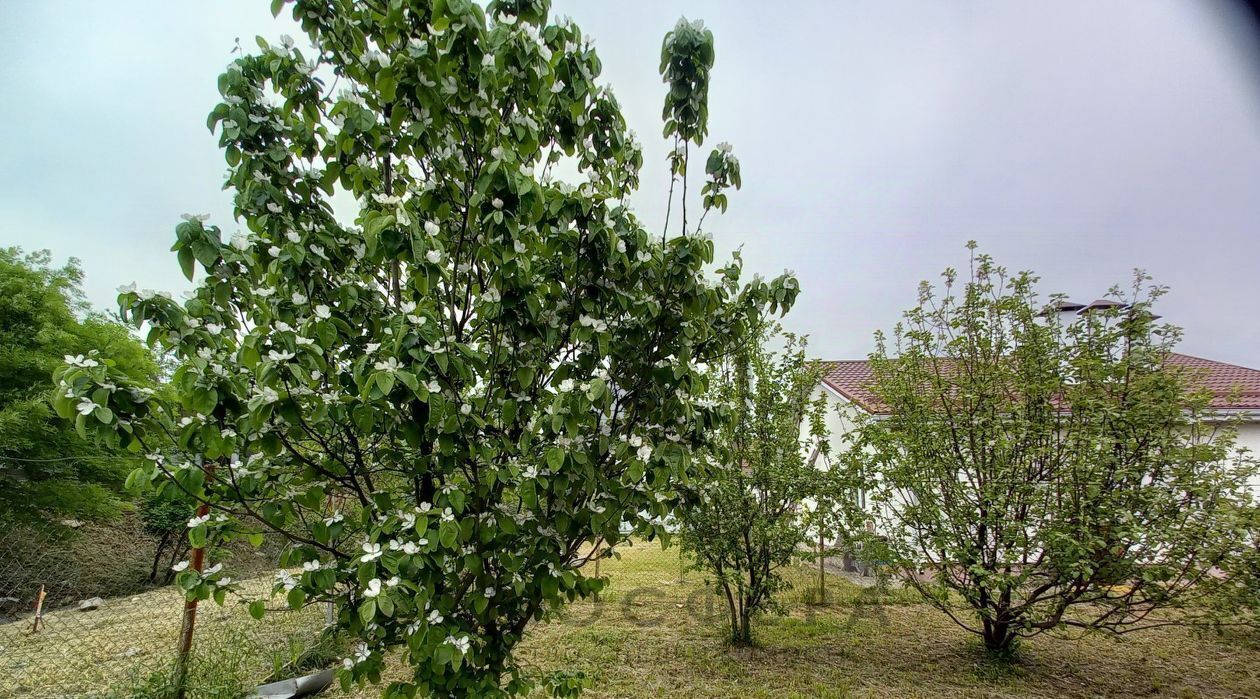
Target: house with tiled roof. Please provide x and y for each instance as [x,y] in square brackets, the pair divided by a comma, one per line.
[1235,389]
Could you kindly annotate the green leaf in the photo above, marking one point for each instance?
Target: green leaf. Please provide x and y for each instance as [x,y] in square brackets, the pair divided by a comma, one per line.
[186,261]
[448,534]
[257,609]
[596,390]
[555,458]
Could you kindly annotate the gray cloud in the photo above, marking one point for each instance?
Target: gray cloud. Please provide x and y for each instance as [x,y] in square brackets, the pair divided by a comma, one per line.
[1077,138]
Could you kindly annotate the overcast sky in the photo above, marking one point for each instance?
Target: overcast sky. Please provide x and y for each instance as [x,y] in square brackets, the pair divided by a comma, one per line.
[1077,138]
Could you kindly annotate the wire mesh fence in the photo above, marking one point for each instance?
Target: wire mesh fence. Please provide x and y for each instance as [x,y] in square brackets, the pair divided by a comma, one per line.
[87,610]
[108,627]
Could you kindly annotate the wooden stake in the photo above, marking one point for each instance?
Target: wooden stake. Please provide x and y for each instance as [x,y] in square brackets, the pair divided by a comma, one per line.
[39,611]
[822,575]
[597,557]
[190,606]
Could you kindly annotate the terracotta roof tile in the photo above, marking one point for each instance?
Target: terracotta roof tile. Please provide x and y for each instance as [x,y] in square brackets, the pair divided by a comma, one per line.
[1233,387]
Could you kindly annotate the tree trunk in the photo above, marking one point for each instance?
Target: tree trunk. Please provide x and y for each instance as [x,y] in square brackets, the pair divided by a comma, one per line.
[745,628]
[999,638]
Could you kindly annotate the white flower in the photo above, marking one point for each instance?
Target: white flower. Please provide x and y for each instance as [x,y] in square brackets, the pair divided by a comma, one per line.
[286,41]
[273,251]
[645,452]
[213,569]
[407,306]
[460,644]
[240,241]
[433,387]
[214,328]
[198,521]
[371,552]
[274,207]
[724,147]
[323,312]
[127,288]
[373,588]
[372,347]
[433,256]
[80,360]
[286,579]
[310,566]
[431,228]
[393,582]
[566,385]
[298,298]
[179,566]
[497,203]
[268,395]
[293,237]
[435,617]
[86,406]
[279,356]
[465,409]
[391,365]
[490,592]
[593,323]
[195,217]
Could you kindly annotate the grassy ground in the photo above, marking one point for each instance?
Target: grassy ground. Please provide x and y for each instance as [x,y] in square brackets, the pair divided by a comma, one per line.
[656,635]
[659,633]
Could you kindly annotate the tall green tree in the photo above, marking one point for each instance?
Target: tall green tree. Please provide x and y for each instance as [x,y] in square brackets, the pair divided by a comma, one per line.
[46,470]
[1037,475]
[443,404]
[742,520]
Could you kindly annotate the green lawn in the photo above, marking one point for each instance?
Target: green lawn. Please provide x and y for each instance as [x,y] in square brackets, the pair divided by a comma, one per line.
[654,635]
[659,633]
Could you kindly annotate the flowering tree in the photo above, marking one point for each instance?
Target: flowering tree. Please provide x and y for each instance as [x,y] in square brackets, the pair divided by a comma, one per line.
[1047,475]
[742,521]
[444,404]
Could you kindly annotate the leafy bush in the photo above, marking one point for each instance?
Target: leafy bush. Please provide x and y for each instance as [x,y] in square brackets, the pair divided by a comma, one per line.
[1035,475]
[741,518]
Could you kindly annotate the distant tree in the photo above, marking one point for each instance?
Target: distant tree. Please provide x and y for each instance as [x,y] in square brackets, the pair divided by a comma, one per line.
[741,520]
[165,516]
[445,405]
[1044,474]
[46,470]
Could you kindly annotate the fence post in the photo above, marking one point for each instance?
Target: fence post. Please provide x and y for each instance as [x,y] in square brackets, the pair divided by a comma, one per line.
[597,557]
[822,575]
[190,606]
[39,610]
